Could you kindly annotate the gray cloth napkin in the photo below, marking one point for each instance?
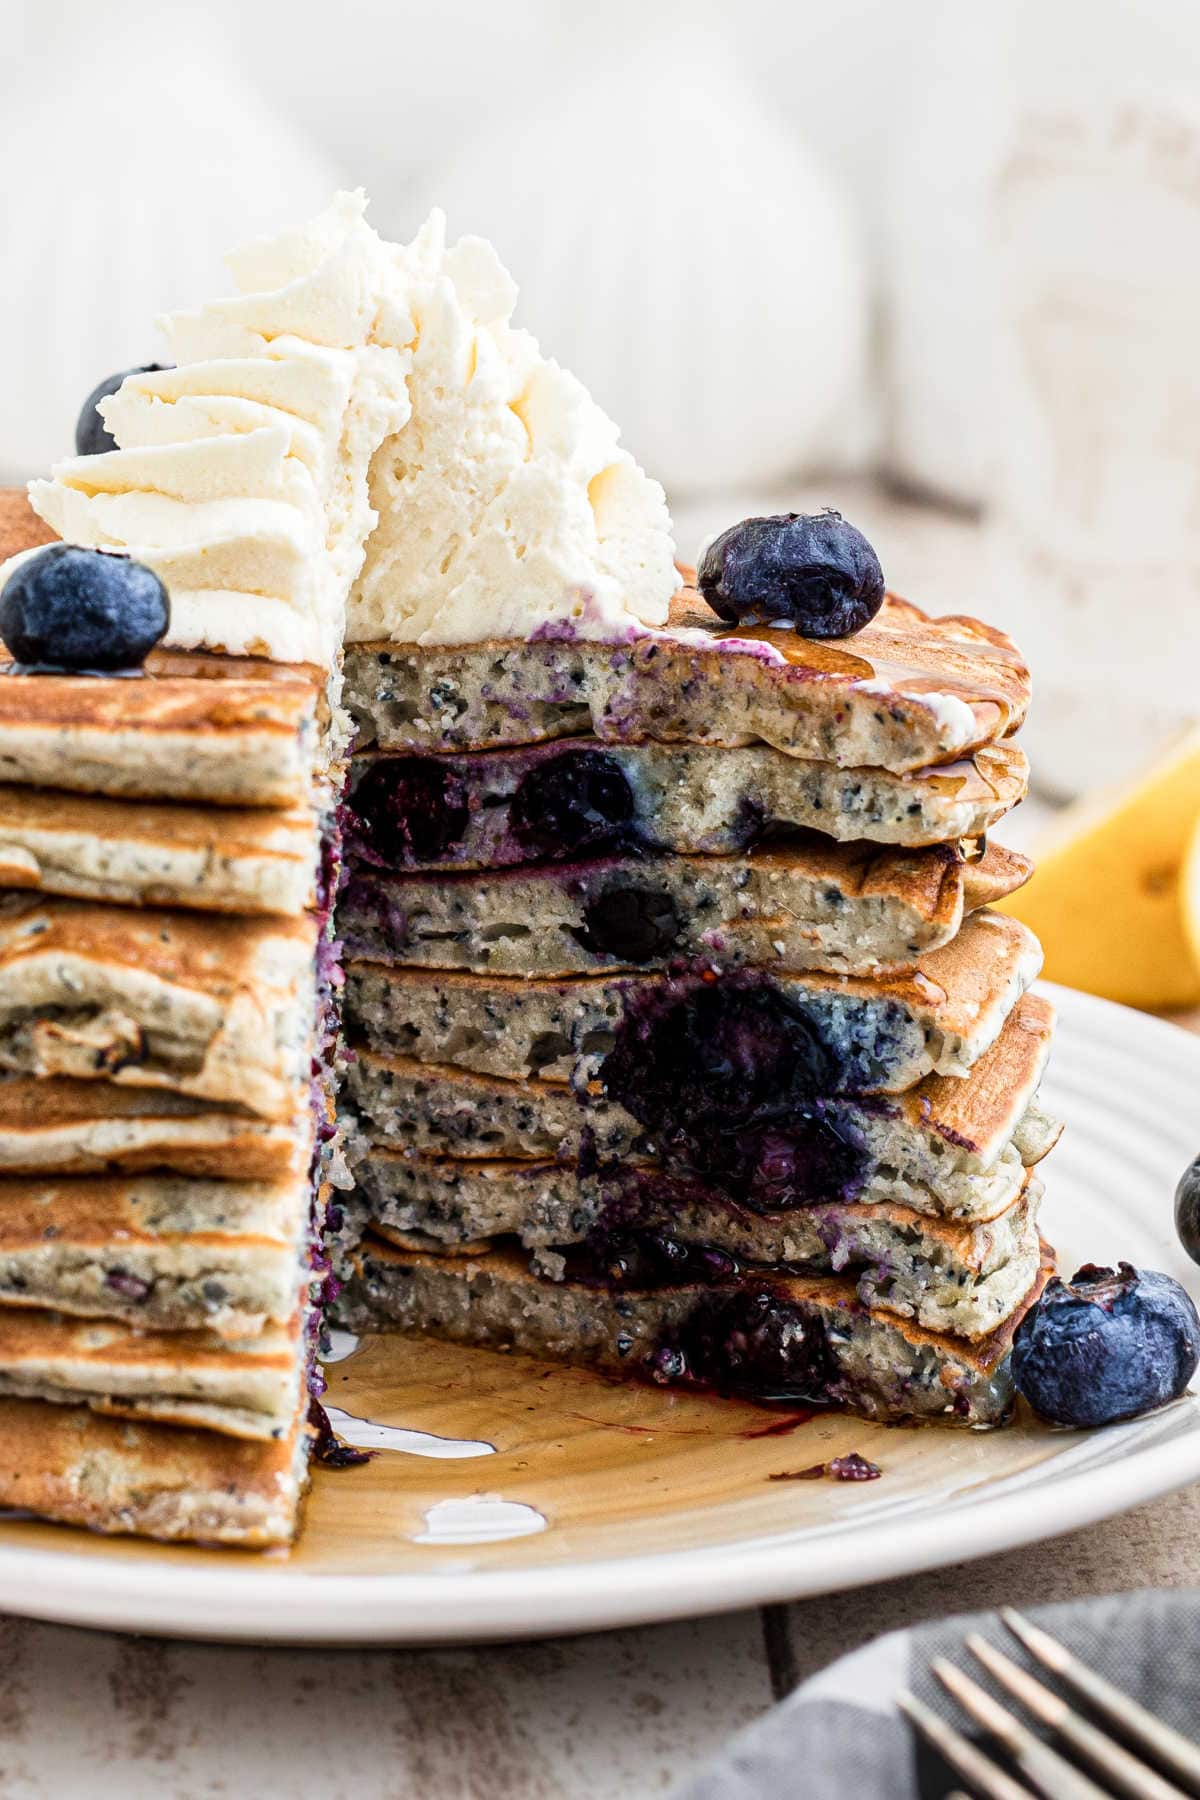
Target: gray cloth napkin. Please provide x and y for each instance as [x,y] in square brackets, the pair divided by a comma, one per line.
[839,1734]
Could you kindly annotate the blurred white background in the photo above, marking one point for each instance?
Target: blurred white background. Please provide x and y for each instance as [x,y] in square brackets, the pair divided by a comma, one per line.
[797,250]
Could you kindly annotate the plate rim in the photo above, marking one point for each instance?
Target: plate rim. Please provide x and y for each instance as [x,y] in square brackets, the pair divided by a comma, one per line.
[275,1607]
[236,1599]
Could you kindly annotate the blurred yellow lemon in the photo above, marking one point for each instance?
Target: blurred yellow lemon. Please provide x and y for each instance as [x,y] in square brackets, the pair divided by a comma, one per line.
[1190,887]
[1116,895]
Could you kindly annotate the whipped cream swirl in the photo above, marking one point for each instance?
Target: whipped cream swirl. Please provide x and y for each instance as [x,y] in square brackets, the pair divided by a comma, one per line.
[359,444]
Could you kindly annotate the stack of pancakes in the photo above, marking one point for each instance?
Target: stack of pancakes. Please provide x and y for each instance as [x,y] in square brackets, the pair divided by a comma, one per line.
[684,1042]
[166,1021]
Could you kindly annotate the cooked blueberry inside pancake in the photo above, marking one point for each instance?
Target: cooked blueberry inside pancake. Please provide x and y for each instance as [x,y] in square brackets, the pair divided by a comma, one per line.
[407,809]
[565,805]
[723,1056]
[751,1342]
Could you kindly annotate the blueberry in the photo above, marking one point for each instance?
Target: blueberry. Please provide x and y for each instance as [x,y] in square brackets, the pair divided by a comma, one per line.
[74,609]
[811,571]
[575,801]
[407,809]
[853,1467]
[1187,1210]
[92,435]
[635,923]
[1108,1344]
[782,1154]
[130,1287]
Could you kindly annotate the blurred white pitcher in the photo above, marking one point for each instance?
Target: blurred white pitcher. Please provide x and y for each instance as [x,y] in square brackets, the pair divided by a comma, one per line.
[1096,517]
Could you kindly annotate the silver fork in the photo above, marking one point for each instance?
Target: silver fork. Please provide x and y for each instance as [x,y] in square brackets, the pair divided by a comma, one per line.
[1171,1772]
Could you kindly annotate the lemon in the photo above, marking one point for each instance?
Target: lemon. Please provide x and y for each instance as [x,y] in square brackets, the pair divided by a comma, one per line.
[1115,897]
[1189,888]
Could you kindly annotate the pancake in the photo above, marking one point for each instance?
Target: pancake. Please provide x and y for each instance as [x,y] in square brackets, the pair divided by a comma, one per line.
[808,1339]
[159,1251]
[905,692]
[884,1035]
[231,731]
[501,807]
[223,730]
[75,1127]
[220,1008]
[855,909]
[948,1147]
[20,527]
[73,1465]
[245,1387]
[632,1228]
[226,859]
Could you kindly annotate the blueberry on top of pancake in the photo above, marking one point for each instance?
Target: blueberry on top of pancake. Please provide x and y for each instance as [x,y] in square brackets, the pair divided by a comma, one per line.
[92,436]
[813,572]
[66,608]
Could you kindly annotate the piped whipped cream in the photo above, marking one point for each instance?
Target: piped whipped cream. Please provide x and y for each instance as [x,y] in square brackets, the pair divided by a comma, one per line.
[506,503]
[359,444]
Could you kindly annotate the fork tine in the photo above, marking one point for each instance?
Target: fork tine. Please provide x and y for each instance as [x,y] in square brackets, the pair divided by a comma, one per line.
[964,1757]
[1168,1746]
[1049,1772]
[1110,1760]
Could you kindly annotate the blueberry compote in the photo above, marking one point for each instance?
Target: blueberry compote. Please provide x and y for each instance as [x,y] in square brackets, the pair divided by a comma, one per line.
[406,810]
[578,800]
[753,1343]
[731,1078]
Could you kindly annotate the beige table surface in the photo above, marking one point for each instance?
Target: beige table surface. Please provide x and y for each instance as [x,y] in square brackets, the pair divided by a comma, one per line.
[610,1717]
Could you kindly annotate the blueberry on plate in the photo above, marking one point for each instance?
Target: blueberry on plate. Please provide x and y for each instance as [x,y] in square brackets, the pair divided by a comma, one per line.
[1187,1210]
[92,435]
[813,572]
[1106,1345]
[66,608]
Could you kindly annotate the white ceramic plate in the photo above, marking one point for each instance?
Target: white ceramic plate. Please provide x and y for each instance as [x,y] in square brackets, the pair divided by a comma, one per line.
[614,1505]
